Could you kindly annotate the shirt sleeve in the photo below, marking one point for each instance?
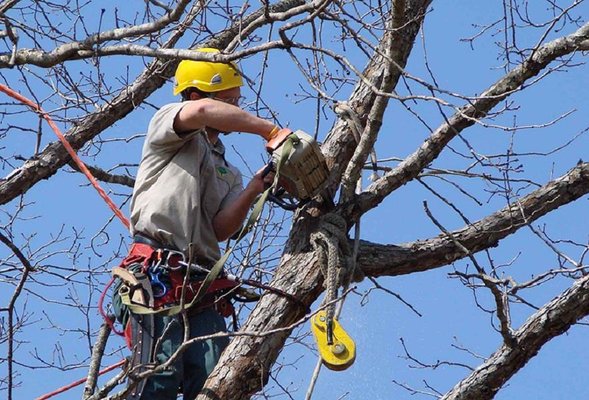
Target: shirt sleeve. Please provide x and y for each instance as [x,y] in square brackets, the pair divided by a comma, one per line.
[235,189]
[161,131]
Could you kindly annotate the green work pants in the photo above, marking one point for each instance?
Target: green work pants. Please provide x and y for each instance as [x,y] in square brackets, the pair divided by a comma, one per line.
[193,367]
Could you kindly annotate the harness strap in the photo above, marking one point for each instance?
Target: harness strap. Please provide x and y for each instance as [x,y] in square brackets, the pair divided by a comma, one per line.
[255,214]
[211,282]
[142,328]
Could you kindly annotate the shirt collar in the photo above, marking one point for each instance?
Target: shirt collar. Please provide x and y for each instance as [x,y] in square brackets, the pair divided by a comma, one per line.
[219,148]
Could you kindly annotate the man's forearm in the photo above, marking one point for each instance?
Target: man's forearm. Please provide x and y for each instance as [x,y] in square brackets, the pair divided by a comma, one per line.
[220,116]
[227,221]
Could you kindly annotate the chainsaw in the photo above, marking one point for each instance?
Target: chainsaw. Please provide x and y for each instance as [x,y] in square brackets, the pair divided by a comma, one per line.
[300,168]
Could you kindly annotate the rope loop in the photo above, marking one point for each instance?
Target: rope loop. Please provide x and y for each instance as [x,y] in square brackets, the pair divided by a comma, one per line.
[335,259]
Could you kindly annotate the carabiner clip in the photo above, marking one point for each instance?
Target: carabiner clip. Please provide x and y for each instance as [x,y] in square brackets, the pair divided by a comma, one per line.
[159,288]
[174,253]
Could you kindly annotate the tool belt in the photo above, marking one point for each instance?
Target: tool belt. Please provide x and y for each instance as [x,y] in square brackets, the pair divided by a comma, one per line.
[153,282]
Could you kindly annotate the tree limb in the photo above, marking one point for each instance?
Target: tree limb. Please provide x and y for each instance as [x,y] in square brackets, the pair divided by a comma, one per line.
[423,255]
[410,168]
[70,50]
[105,176]
[550,321]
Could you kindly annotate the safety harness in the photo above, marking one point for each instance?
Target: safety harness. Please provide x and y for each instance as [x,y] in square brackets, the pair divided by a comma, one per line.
[299,167]
[154,281]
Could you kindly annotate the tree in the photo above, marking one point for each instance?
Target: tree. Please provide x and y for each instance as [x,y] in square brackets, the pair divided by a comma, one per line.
[96,71]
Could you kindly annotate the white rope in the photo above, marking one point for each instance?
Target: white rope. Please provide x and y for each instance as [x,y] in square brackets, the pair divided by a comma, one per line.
[353,274]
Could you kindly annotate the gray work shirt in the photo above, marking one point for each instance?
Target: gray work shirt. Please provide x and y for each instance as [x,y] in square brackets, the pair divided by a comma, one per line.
[182,182]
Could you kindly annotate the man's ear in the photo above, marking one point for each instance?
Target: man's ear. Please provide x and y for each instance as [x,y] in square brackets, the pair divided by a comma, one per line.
[195,96]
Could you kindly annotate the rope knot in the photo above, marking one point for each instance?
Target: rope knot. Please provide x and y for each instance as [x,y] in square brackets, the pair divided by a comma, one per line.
[335,256]
[335,260]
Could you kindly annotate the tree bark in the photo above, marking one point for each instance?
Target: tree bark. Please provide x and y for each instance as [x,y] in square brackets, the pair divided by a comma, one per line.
[390,260]
[550,321]
[245,365]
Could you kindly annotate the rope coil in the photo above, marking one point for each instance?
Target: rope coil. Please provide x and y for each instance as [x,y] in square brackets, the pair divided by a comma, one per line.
[335,259]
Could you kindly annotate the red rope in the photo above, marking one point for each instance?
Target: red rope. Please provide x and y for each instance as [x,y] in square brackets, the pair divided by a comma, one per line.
[107,319]
[69,149]
[102,194]
[79,382]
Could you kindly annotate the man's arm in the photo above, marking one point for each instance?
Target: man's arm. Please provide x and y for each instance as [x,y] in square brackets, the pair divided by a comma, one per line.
[221,116]
[227,221]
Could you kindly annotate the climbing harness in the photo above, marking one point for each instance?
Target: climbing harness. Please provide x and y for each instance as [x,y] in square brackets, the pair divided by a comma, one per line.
[303,170]
[153,283]
[336,348]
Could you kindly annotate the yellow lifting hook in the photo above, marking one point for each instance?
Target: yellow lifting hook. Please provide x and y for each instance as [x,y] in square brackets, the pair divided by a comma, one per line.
[341,353]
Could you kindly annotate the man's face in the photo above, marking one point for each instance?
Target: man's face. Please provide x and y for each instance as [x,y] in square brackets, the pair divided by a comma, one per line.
[230,96]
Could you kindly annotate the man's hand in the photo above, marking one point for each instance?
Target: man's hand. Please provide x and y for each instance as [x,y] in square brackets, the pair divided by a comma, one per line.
[276,138]
[261,180]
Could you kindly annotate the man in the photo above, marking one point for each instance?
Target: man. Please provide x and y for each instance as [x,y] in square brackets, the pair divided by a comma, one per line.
[187,197]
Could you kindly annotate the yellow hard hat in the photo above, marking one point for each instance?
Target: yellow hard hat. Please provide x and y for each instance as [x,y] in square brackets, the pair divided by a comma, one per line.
[206,76]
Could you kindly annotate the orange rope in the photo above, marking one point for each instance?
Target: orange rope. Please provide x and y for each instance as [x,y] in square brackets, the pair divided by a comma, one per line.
[79,382]
[70,150]
[94,183]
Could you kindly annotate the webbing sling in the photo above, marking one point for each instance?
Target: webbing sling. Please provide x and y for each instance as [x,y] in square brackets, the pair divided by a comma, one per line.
[218,267]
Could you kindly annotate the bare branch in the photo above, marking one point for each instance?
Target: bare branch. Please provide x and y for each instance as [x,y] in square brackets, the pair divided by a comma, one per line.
[27,269]
[492,284]
[552,320]
[381,260]
[97,353]
[465,117]
[105,176]
[71,50]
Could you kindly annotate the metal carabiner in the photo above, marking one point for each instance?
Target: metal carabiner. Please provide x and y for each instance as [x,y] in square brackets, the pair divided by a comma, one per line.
[171,253]
[159,288]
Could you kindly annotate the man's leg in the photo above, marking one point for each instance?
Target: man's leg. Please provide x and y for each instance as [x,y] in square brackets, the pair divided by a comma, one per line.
[202,356]
[164,385]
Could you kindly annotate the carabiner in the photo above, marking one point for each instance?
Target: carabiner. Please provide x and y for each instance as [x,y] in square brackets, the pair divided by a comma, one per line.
[159,288]
[174,253]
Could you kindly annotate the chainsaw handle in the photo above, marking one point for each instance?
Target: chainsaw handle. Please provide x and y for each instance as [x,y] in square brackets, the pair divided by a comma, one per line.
[276,195]
[288,206]
[268,168]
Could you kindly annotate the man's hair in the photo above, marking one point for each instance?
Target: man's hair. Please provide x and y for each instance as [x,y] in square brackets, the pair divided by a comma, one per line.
[188,91]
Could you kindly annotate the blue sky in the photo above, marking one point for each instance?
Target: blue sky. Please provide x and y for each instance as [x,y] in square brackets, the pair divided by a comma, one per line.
[450,318]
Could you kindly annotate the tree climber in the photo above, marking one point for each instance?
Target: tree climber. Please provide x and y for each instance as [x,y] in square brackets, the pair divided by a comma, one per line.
[186,199]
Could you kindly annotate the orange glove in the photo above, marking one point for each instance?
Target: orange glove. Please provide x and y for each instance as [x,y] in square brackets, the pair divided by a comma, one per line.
[276,137]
